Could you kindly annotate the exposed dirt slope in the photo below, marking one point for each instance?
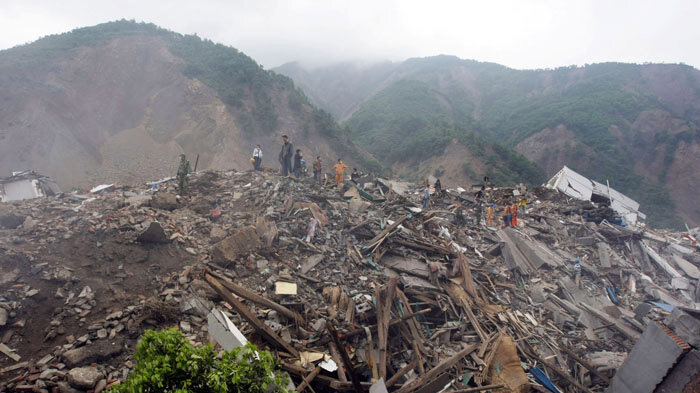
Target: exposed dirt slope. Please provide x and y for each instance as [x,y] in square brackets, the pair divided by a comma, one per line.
[121,111]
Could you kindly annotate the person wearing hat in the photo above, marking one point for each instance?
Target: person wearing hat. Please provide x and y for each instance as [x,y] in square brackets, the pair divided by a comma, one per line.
[489,214]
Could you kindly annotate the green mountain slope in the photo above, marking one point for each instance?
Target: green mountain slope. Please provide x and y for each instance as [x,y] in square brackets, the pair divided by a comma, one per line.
[119,101]
[634,125]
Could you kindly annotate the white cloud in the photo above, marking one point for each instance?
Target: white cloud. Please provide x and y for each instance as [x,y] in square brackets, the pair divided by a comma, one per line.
[517,33]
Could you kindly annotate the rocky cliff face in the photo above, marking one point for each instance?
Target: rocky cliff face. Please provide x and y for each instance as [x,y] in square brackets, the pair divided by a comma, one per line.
[121,107]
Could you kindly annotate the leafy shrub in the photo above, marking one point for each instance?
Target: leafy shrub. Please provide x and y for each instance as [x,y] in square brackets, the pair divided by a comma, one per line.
[166,362]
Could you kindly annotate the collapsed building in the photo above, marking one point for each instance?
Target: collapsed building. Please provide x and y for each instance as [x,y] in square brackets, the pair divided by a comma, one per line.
[359,290]
[582,188]
[26,185]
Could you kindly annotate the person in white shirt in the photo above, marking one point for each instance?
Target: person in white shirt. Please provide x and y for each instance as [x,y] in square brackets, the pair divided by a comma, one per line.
[257,158]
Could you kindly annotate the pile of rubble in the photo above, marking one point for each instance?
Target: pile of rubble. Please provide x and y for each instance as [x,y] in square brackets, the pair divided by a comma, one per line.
[353,290]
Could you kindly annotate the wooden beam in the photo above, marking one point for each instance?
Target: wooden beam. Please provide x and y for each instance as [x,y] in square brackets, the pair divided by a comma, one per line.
[386,231]
[307,380]
[394,378]
[585,364]
[479,389]
[245,313]
[346,358]
[436,371]
[255,298]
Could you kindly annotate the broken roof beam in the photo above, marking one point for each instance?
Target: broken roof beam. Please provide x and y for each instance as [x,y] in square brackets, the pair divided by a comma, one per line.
[437,370]
[246,314]
[660,261]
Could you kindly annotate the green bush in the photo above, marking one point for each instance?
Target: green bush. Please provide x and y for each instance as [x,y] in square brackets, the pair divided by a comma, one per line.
[166,362]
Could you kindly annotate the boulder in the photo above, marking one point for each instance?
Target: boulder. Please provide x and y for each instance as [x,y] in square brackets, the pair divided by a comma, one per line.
[164,201]
[64,387]
[233,247]
[84,377]
[358,206]
[154,233]
[97,352]
[266,230]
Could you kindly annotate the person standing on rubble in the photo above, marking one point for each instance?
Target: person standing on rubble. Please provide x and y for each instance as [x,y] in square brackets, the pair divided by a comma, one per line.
[354,176]
[426,196]
[514,213]
[317,170]
[339,169]
[257,158]
[507,215]
[182,171]
[486,182]
[490,214]
[297,163]
[522,206]
[479,209]
[285,156]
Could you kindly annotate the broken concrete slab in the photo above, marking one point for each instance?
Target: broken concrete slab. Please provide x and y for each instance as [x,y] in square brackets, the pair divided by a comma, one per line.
[84,377]
[311,262]
[154,233]
[224,331]
[684,376]
[235,246]
[407,265]
[650,360]
[685,324]
[94,353]
[164,201]
[688,268]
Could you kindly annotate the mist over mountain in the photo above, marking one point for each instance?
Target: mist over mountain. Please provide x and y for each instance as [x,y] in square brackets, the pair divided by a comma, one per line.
[634,125]
[118,102]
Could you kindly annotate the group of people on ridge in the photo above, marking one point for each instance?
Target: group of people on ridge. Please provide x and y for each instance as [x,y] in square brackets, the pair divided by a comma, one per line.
[292,162]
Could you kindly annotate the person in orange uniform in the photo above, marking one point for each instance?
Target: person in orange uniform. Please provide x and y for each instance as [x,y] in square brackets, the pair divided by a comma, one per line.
[339,168]
[489,213]
[514,212]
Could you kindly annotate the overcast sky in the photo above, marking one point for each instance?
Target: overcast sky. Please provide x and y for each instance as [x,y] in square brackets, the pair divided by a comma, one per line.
[518,33]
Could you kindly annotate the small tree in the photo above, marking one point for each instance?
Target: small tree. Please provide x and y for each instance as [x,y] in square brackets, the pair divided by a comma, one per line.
[166,362]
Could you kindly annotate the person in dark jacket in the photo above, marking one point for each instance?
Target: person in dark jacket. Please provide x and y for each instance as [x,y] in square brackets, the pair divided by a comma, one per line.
[354,176]
[298,158]
[285,156]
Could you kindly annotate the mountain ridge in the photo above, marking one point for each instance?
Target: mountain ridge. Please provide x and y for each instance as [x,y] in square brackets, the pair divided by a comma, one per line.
[119,101]
[615,120]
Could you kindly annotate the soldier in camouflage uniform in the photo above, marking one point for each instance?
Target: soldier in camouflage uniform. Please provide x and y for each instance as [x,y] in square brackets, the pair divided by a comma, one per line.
[182,171]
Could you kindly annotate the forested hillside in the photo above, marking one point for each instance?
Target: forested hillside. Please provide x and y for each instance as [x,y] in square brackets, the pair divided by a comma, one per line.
[118,102]
[635,125]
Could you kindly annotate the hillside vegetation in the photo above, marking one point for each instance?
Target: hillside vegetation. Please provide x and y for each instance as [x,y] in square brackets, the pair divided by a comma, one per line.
[119,101]
[634,125]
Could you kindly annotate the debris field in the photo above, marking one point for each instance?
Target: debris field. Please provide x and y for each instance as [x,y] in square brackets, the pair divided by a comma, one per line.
[353,290]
